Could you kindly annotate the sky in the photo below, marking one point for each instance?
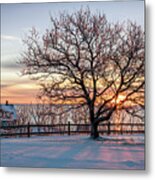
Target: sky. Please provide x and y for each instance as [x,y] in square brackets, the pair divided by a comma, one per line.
[18,19]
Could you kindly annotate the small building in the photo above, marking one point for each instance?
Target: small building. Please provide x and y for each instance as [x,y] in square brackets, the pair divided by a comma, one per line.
[8,114]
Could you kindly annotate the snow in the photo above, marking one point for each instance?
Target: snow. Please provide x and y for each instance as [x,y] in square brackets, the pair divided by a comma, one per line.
[110,152]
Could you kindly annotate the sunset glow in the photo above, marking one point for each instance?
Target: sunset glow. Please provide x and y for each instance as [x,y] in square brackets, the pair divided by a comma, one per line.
[17,89]
[19,94]
[120,98]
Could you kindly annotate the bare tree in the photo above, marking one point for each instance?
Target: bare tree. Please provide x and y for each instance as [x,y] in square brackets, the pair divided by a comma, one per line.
[23,115]
[83,59]
[40,113]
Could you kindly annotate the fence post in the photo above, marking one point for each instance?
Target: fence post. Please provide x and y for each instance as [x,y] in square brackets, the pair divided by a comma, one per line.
[68,128]
[28,130]
[121,129]
[108,127]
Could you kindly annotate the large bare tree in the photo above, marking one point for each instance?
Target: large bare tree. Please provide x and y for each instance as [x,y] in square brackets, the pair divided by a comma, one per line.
[85,60]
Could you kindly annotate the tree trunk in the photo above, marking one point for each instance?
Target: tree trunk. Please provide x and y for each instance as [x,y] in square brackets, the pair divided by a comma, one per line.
[94,131]
[94,126]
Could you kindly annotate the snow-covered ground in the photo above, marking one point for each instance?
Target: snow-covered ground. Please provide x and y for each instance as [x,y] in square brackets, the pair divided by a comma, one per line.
[111,152]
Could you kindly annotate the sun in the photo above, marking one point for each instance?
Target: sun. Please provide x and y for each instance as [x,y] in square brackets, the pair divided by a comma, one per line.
[120,98]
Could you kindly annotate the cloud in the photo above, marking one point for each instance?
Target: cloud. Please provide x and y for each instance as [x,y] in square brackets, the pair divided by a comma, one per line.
[9,65]
[4,86]
[20,92]
[10,38]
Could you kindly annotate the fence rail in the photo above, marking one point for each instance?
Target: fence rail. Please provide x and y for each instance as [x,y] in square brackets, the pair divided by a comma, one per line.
[42,129]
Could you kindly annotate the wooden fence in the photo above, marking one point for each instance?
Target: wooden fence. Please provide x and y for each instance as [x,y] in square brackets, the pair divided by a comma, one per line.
[70,129]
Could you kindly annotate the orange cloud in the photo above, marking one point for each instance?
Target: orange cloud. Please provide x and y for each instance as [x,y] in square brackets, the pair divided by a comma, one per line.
[19,93]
